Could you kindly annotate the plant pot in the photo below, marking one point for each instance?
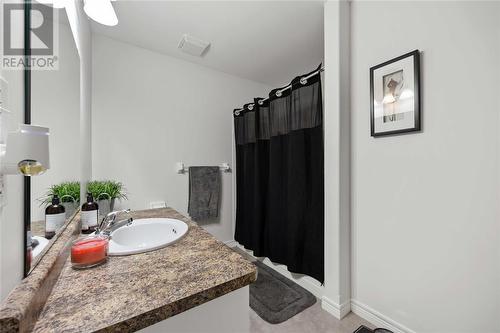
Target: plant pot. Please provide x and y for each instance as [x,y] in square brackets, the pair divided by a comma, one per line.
[106,206]
[69,208]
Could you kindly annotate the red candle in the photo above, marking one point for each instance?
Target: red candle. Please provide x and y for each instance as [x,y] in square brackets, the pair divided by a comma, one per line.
[89,252]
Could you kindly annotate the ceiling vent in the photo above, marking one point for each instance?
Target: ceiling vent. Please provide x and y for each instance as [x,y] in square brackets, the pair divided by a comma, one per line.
[193,46]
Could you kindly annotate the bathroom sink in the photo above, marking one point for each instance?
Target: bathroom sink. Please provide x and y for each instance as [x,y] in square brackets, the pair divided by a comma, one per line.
[144,235]
[42,243]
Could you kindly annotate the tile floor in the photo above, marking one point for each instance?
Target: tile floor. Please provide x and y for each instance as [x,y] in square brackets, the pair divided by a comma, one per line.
[312,320]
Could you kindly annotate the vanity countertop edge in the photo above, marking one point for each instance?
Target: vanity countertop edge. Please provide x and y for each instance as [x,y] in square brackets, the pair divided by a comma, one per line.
[129,293]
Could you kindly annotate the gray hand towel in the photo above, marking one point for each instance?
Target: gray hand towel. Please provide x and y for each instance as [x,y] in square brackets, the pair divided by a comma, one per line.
[204,192]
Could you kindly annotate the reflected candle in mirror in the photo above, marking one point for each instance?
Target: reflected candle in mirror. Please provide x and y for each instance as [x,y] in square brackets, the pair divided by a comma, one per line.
[90,251]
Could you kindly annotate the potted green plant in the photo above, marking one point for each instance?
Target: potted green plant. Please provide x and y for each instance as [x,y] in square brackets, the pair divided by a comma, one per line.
[105,192]
[68,192]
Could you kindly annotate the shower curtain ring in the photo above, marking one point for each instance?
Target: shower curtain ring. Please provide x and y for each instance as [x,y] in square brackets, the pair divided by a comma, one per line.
[236,113]
[303,80]
[261,101]
[278,93]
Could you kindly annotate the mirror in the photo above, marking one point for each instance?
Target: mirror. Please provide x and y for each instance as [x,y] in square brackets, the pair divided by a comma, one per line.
[55,103]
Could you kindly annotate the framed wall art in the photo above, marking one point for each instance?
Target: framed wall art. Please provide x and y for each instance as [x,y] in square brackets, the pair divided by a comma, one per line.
[395,96]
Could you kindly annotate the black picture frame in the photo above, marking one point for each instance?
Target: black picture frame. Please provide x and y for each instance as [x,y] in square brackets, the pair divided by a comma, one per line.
[416,95]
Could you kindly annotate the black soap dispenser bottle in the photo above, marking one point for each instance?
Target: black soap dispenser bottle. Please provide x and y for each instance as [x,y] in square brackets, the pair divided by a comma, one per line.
[89,215]
[55,215]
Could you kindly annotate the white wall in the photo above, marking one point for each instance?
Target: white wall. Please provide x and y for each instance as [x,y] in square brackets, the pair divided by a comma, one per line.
[337,291]
[11,216]
[151,111]
[55,99]
[80,27]
[425,213]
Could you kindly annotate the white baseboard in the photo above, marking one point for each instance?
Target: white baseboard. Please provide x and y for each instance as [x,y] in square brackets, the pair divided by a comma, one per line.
[339,311]
[377,319]
[231,243]
[306,282]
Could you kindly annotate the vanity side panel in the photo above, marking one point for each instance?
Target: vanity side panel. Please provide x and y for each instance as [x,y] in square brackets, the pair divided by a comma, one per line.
[20,310]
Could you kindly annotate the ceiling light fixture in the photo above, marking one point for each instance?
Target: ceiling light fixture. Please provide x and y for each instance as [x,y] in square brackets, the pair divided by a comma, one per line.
[26,151]
[53,3]
[101,11]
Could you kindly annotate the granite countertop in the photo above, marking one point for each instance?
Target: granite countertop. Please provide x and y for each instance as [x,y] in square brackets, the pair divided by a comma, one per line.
[132,292]
[38,228]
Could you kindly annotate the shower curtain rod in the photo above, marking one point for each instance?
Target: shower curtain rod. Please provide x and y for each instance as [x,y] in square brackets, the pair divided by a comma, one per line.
[303,80]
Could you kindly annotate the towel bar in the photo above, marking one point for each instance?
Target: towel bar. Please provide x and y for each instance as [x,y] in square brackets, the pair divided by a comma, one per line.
[180,168]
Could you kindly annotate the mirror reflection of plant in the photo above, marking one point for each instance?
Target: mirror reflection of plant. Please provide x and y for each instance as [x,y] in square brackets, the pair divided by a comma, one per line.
[66,191]
[106,190]
[100,189]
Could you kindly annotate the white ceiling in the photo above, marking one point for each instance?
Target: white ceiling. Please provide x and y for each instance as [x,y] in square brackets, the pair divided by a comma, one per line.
[264,41]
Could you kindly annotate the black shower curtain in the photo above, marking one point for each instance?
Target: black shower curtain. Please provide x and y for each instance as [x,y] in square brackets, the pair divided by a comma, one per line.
[280,177]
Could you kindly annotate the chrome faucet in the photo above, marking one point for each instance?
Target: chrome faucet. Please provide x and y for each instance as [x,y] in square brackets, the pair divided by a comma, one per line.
[109,222]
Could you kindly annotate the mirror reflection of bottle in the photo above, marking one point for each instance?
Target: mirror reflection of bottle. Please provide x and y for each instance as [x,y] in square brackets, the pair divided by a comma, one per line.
[29,252]
[55,215]
[89,213]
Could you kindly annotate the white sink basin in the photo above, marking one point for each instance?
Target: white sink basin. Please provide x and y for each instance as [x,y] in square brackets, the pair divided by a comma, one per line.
[42,243]
[144,235]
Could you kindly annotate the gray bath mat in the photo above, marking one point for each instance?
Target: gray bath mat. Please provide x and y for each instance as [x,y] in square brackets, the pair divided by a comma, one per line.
[275,298]
[364,329]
